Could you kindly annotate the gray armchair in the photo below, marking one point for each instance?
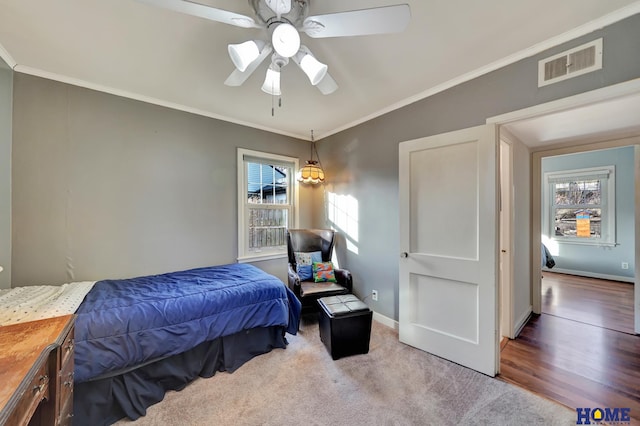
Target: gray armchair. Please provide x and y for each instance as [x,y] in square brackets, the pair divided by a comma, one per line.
[307,290]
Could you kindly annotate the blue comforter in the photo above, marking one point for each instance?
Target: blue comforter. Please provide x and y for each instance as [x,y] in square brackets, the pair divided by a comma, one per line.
[125,323]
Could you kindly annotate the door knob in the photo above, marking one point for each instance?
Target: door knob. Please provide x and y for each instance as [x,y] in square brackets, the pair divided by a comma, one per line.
[404,254]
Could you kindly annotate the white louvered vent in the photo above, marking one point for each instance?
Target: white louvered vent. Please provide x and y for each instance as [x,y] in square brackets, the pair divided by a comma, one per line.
[571,63]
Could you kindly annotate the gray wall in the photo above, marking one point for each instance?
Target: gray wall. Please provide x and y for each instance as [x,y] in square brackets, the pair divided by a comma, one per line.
[107,187]
[363,161]
[6,88]
[581,259]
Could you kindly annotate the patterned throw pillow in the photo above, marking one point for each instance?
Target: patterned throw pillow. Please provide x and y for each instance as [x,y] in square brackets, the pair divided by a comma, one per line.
[304,261]
[323,272]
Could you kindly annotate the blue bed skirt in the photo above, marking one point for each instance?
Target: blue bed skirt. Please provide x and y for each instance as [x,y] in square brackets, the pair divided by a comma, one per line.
[104,401]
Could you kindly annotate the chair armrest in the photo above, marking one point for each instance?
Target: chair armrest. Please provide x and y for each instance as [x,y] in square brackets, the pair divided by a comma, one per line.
[344,278]
[294,281]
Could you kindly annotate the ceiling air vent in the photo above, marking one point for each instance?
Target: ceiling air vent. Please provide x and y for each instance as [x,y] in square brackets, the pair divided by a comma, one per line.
[572,63]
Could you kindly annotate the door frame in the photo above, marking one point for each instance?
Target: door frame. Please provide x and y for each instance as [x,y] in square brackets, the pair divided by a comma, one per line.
[585,144]
[505,286]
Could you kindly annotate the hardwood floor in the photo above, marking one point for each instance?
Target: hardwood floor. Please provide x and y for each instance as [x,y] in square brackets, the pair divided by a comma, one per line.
[603,303]
[580,360]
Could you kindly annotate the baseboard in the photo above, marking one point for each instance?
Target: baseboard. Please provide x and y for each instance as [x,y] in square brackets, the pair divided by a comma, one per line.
[591,275]
[391,323]
[522,321]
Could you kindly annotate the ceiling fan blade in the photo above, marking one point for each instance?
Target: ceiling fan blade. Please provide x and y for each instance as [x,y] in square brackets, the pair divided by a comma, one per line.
[379,20]
[207,12]
[327,85]
[237,77]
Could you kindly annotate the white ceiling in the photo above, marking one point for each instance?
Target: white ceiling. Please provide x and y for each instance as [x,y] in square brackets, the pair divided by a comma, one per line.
[132,49]
[618,116]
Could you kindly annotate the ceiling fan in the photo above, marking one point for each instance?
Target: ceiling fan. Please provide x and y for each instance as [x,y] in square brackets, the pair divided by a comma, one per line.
[284,20]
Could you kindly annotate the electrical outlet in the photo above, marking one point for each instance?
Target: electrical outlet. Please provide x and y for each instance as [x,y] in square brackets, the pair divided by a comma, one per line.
[374,295]
[625,265]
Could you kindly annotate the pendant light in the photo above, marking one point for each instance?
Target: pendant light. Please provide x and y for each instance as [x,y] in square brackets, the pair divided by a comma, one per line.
[312,171]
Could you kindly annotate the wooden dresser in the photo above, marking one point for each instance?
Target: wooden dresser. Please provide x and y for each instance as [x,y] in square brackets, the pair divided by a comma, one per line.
[36,372]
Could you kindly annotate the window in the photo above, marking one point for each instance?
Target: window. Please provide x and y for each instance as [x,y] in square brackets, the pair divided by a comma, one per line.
[580,206]
[267,201]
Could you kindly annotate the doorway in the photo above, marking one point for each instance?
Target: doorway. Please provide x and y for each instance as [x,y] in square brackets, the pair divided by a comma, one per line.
[551,350]
[633,143]
[600,119]
[588,221]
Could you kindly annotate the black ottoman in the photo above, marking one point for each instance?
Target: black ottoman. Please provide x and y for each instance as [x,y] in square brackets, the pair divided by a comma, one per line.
[345,325]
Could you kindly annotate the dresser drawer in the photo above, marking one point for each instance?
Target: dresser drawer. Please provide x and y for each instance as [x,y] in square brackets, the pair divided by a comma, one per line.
[37,390]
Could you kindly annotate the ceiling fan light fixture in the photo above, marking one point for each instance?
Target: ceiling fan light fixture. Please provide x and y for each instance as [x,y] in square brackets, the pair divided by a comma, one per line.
[286,40]
[271,83]
[313,68]
[243,54]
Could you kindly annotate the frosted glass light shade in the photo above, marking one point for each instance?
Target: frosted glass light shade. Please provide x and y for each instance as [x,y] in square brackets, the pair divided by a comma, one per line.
[271,83]
[244,53]
[310,173]
[286,40]
[313,68]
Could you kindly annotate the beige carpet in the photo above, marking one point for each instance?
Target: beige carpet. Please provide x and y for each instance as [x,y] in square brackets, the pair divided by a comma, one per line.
[393,384]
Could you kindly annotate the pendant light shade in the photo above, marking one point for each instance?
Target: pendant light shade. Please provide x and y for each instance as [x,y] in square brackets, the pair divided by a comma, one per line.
[311,172]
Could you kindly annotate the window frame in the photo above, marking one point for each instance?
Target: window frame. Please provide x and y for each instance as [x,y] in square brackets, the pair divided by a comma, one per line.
[244,255]
[606,176]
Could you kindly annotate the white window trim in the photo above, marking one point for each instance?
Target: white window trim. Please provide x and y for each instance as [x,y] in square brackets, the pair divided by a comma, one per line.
[608,205]
[243,257]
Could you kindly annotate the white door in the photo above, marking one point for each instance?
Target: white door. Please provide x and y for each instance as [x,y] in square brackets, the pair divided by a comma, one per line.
[448,241]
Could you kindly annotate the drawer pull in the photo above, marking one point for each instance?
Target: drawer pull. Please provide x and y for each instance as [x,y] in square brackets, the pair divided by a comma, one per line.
[69,347]
[69,383]
[43,382]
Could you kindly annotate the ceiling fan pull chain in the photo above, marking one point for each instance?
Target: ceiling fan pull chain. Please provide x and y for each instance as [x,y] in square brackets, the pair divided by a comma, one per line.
[272,98]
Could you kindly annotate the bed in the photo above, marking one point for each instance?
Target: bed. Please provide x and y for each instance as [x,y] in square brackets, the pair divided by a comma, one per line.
[546,257]
[137,338]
